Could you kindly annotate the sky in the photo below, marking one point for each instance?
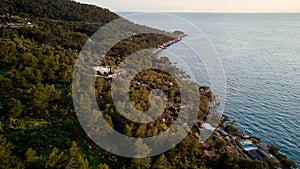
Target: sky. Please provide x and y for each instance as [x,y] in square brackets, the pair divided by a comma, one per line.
[198,5]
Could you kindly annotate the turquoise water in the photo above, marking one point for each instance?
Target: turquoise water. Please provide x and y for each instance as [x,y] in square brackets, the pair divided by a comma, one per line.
[249,146]
[261,58]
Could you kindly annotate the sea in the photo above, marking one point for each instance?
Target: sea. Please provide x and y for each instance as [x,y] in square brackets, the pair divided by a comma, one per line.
[260,57]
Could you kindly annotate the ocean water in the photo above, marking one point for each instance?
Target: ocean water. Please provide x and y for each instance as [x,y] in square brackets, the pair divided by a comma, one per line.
[260,54]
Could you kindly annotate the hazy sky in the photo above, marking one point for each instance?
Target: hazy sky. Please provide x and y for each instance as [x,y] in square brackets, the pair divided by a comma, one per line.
[199,5]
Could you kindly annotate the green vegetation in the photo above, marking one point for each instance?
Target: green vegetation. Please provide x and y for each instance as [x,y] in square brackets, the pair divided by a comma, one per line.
[38,125]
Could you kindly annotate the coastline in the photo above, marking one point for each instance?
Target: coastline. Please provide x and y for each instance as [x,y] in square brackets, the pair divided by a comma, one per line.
[239,143]
[171,42]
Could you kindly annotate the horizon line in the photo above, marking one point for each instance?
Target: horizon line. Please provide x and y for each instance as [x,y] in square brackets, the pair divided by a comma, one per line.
[220,12]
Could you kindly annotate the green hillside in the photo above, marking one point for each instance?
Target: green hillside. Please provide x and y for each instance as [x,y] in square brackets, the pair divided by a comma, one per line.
[40,42]
[57,9]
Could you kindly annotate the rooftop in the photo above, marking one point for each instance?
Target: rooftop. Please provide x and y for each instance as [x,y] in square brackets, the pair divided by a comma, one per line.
[209,153]
[222,132]
[259,154]
[205,144]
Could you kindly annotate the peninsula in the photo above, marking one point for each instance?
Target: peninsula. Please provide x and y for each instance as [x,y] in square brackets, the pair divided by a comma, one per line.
[40,42]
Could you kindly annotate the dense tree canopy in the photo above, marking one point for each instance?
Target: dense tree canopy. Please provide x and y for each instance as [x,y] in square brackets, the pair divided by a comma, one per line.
[38,126]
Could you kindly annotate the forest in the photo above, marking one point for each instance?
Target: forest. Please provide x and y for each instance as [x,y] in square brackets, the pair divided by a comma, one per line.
[38,124]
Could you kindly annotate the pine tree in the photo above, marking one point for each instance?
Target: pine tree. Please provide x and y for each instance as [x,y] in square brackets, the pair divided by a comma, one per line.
[7,160]
[161,163]
[102,166]
[140,163]
[12,109]
[76,159]
[141,149]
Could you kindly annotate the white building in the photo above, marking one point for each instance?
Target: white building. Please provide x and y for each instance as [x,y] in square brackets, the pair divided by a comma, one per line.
[102,70]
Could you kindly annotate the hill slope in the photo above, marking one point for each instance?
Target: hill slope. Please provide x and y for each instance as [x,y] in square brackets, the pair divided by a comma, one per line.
[38,126]
[57,9]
